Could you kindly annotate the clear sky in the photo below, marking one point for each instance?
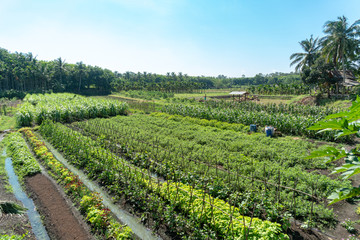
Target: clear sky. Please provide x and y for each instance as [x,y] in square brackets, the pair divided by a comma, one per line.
[196,37]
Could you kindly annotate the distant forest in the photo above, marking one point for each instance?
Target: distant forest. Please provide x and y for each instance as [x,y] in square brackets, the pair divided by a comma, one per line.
[22,72]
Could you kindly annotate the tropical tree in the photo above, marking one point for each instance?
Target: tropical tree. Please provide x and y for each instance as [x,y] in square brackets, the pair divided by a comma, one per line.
[320,74]
[59,68]
[308,57]
[80,70]
[341,42]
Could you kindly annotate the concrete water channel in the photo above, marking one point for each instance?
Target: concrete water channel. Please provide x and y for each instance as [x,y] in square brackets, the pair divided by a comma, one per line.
[34,217]
[134,223]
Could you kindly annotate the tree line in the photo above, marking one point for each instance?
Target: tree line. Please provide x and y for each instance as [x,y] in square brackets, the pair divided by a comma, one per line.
[327,61]
[280,89]
[172,82]
[22,72]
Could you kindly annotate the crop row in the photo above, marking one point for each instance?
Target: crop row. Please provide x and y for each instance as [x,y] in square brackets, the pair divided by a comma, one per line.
[286,123]
[150,194]
[176,148]
[23,161]
[90,202]
[237,127]
[273,108]
[65,107]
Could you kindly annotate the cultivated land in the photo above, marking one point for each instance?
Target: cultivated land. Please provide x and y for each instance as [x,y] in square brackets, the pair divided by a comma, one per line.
[188,168]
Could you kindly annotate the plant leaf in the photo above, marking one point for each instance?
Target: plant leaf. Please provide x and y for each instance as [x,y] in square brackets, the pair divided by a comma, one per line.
[344,193]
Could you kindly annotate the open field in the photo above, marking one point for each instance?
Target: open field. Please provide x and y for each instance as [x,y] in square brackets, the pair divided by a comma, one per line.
[206,175]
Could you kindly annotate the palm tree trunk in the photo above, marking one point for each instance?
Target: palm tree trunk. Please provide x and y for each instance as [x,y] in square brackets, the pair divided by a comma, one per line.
[344,75]
[343,65]
[337,88]
[79,83]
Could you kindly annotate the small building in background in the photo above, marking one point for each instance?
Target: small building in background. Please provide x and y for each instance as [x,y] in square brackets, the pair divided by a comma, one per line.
[239,96]
[349,82]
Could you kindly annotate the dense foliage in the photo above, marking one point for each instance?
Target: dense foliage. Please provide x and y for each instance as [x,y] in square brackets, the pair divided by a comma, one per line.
[65,107]
[280,89]
[325,62]
[173,82]
[22,72]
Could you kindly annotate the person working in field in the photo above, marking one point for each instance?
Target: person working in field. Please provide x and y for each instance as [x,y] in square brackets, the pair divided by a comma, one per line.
[269,131]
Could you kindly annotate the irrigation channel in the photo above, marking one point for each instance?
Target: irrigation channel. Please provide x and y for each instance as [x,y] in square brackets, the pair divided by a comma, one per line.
[34,217]
[134,223]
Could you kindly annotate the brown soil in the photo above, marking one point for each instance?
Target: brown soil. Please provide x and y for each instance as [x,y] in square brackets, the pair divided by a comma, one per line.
[344,210]
[60,221]
[297,233]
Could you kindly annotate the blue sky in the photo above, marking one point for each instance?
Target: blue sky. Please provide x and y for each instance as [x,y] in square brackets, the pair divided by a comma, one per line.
[197,37]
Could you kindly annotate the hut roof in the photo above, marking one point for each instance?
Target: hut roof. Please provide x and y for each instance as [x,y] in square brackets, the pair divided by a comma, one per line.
[339,74]
[238,93]
[350,80]
[350,83]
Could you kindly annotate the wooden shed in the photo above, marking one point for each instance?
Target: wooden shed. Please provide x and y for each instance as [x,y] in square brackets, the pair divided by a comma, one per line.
[241,96]
[348,84]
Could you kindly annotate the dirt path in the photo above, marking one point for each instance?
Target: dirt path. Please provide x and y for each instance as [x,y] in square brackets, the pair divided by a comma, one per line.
[59,221]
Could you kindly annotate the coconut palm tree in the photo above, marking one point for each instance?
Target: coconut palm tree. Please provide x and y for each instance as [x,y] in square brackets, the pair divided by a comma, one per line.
[341,42]
[60,68]
[80,69]
[308,57]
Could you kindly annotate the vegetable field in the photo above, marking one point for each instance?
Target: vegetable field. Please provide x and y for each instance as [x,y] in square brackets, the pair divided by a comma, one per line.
[65,107]
[222,161]
[193,169]
[193,211]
